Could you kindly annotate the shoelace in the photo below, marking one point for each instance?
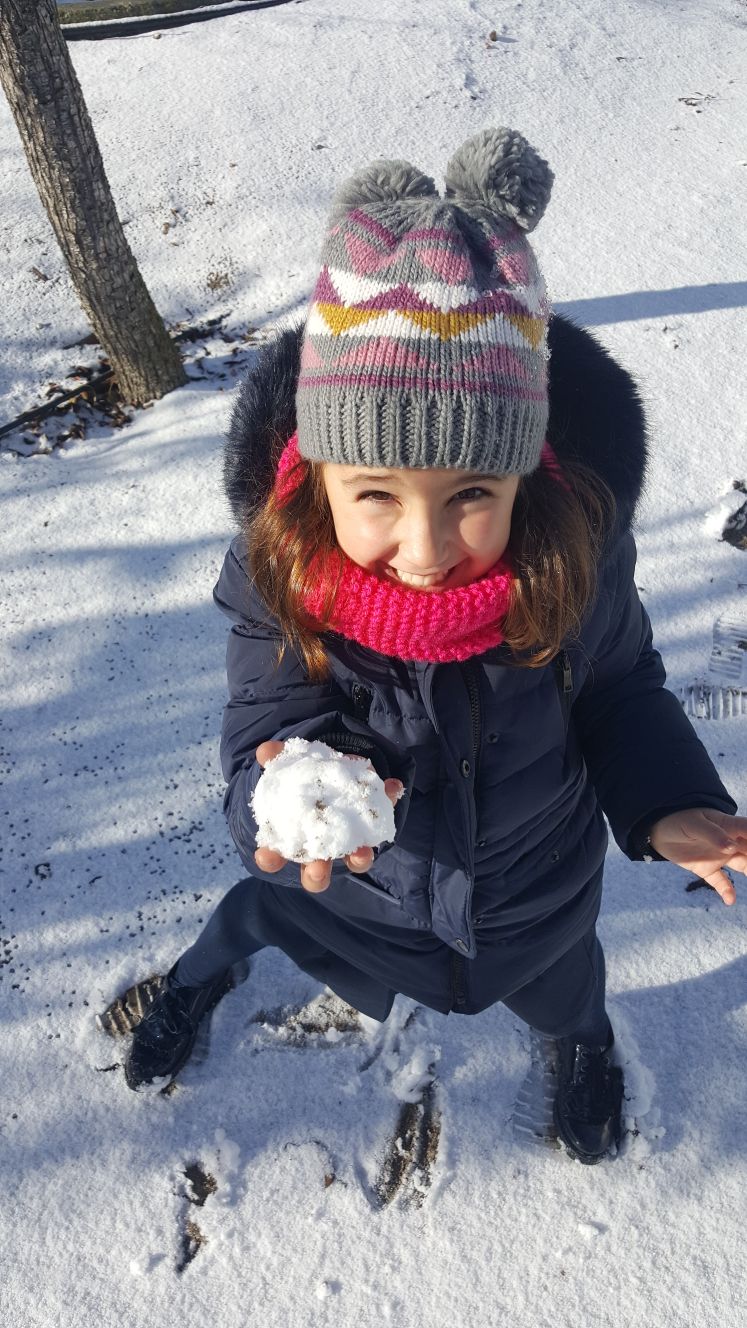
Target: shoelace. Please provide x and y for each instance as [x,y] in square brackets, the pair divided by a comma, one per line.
[591,1096]
[169,1018]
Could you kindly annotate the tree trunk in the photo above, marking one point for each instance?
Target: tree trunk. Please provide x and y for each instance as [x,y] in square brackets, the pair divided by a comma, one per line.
[46,99]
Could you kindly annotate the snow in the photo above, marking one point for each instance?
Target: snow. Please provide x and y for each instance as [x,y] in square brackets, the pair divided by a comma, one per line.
[313,802]
[114,844]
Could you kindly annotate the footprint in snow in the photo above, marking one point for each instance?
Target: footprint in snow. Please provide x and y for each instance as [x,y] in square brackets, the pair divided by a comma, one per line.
[405,1164]
[407,1160]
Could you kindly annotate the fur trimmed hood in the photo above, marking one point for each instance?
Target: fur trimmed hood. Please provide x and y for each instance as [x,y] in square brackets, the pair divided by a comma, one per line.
[596,417]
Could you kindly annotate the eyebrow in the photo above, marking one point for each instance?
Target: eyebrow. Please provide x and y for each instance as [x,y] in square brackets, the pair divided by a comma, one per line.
[365,477]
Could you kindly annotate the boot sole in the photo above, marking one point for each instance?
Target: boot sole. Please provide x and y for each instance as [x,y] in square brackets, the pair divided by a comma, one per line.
[588,1159]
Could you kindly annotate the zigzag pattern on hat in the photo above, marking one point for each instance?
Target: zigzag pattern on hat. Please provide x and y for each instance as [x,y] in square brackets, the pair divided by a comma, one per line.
[426,338]
[369,315]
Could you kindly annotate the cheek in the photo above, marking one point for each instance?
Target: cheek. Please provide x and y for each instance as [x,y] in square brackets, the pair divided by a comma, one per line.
[371,526]
[359,533]
[485,531]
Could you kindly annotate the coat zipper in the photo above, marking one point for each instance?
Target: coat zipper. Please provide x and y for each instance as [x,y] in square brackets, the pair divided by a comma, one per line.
[458,983]
[458,964]
[474,705]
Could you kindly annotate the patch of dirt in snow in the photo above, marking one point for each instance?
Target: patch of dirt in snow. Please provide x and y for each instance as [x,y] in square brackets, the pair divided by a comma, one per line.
[200,1185]
[88,399]
[406,1164]
[406,1169]
[191,1240]
[325,1021]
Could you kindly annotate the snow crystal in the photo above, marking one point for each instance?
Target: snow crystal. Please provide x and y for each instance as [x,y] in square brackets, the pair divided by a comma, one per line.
[229,1152]
[312,802]
[410,1078]
[590,1230]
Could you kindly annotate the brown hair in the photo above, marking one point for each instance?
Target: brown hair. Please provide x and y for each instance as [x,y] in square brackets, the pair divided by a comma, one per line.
[557,533]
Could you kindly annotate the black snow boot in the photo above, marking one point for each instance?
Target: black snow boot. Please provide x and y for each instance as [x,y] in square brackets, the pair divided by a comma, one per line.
[589,1099]
[163,1040]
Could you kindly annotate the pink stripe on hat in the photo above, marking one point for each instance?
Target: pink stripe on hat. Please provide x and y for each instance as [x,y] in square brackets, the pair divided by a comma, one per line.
[384,351]
[375,227]
[446,263]
[364,258]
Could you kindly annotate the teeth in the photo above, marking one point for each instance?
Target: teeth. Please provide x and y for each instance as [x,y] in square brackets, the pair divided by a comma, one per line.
[411,580]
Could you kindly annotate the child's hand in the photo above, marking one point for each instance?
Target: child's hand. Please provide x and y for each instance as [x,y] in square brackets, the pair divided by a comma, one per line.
[703,841]
[315,876]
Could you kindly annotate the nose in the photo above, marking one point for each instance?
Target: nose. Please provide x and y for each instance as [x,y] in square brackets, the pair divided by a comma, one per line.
[422,545]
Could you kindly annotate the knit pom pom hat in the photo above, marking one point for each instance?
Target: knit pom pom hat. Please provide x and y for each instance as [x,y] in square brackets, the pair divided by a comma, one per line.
[426,340]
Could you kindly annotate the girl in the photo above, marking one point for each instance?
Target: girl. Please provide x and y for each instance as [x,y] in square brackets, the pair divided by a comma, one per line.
[435,482]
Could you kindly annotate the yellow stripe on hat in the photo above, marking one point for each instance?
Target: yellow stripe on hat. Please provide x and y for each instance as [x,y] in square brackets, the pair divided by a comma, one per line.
[339,319]
[445,325]
[532,329]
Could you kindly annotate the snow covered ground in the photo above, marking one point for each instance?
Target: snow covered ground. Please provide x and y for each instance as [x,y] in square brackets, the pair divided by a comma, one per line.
[223,143]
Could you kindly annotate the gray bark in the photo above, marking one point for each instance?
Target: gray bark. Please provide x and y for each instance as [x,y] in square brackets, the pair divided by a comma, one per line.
[47,102]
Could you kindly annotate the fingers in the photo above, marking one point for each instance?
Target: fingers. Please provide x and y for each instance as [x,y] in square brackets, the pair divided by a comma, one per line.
[722,885]
[735,827]
[361,860]
[268,860]
[315,876]
[267,750]
[737,862]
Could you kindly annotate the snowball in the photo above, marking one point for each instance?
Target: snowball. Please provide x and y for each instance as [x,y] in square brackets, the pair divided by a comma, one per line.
[313,802]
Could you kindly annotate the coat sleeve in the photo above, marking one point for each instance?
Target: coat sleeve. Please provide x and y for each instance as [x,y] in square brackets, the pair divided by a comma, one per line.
[267,701]
[642,753]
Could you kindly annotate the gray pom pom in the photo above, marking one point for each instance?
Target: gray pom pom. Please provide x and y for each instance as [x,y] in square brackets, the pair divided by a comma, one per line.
[382,182]
[499,170]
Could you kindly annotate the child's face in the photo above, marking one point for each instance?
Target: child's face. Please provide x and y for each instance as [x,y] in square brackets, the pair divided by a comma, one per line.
[428,529]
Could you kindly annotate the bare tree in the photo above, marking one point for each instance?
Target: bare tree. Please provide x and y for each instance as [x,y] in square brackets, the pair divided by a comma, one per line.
[47,102]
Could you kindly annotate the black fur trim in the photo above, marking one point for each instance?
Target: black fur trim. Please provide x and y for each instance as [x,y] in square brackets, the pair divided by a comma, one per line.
[596,413]
[262,421]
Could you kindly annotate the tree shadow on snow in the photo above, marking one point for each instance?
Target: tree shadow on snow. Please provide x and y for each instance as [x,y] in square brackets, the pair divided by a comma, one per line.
[636,306]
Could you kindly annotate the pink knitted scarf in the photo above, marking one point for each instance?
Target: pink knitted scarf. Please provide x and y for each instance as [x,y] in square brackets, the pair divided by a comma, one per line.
[395,620]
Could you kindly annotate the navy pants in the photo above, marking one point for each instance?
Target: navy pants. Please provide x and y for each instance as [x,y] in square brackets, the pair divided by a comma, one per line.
[567,999]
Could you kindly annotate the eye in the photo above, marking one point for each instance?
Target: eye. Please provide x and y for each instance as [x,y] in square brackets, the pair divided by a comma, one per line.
[480,493]
[378,495]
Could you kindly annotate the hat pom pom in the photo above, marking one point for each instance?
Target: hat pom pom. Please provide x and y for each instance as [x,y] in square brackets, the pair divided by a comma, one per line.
[499,170]
[382,182]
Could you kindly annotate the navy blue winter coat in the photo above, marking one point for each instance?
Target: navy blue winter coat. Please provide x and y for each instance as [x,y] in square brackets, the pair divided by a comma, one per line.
[496,868]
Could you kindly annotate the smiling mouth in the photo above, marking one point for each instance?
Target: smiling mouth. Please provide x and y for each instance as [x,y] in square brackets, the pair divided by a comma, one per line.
[421,582]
